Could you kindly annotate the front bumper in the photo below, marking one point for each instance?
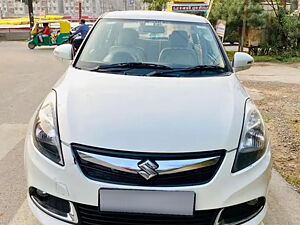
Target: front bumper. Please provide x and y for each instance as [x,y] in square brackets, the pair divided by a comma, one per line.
[45,219]
[69,183]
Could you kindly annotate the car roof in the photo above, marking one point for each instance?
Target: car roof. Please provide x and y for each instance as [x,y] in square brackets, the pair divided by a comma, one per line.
[155,15]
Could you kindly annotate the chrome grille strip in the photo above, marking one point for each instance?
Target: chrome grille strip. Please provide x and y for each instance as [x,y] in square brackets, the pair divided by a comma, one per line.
[165,166]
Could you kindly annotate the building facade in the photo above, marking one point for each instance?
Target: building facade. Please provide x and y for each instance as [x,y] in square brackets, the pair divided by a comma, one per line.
[7,8]
[20,8]
[92,8]
[42,7]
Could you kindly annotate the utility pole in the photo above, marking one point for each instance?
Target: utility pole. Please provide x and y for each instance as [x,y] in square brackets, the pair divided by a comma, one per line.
[80,9]
[211,2]
[30,11]
[242,42]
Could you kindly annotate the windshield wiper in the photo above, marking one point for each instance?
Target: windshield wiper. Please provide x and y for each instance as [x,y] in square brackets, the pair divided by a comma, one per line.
[189,69]
[131,65]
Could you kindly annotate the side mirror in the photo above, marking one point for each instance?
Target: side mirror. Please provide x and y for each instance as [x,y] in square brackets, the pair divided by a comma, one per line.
[63,52]
[242,61]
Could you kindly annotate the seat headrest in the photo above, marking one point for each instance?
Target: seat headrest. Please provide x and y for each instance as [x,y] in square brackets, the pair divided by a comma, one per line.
[122,57]
[128,37]
[179,39]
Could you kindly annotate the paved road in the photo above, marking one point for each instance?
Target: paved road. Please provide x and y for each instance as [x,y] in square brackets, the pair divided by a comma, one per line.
[25,78]
[289,74]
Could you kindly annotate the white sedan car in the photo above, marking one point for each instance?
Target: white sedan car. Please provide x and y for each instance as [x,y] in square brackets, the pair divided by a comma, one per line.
[149,125]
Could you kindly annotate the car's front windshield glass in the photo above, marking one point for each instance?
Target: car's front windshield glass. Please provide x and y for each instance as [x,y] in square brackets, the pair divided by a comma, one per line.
[139,47]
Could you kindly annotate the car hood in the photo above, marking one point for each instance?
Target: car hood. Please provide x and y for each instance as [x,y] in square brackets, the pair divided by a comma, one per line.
[150,114]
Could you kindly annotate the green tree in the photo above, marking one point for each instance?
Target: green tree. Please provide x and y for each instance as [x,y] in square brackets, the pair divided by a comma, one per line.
[232,11]
[283,30]
[157,4]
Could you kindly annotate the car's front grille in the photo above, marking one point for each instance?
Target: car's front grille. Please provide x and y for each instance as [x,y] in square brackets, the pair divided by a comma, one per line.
[91,215]
[104,173]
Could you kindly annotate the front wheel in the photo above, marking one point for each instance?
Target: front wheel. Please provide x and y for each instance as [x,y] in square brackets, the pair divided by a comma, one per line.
[31,45]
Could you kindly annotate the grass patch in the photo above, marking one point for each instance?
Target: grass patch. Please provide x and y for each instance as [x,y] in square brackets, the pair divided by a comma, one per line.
[230,54]
[277,59]
[297,127]
[292,178]
[295,181]
[267,117]
[274,59]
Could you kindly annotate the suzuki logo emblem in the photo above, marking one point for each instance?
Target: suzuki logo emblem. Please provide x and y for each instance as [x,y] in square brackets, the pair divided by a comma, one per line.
[148,169]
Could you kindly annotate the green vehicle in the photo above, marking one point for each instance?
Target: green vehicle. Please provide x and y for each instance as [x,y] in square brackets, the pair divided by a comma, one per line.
[58,37]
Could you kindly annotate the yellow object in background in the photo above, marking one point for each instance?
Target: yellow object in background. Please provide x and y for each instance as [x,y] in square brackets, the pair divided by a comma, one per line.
[64,25]
[25,20]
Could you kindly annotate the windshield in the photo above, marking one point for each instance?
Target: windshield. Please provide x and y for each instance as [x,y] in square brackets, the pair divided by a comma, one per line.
[140,47]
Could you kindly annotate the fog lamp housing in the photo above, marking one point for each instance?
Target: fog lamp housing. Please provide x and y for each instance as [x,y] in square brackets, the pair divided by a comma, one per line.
[59,208]
[241,213]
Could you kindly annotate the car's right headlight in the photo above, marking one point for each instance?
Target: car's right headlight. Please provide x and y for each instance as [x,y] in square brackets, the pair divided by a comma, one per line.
[45,133]
[253,140]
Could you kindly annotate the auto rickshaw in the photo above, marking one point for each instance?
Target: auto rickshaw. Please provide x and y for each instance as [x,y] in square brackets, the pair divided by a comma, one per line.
[59,34]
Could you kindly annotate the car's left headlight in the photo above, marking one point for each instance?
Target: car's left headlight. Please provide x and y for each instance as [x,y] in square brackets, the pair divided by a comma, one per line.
[45,133]
[253,140]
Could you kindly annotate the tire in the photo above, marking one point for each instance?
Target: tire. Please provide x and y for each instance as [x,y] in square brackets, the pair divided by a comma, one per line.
[31,45]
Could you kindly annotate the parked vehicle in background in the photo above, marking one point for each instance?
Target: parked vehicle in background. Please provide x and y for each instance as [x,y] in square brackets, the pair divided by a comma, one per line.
[60,33]
[148,125]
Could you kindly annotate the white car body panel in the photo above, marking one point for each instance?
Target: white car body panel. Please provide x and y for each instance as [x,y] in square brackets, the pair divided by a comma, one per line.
[155,15]
[44,174]
[236,188]
[150,114]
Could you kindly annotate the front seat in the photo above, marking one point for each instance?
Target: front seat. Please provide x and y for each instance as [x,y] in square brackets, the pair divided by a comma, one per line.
[126,45]
[178,53]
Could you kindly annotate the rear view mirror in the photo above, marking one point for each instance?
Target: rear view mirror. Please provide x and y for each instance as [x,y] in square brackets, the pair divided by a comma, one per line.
[242,61]
[63,52]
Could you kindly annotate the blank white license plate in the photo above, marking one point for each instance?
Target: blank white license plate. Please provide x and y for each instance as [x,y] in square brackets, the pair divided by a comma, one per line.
[154,202]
